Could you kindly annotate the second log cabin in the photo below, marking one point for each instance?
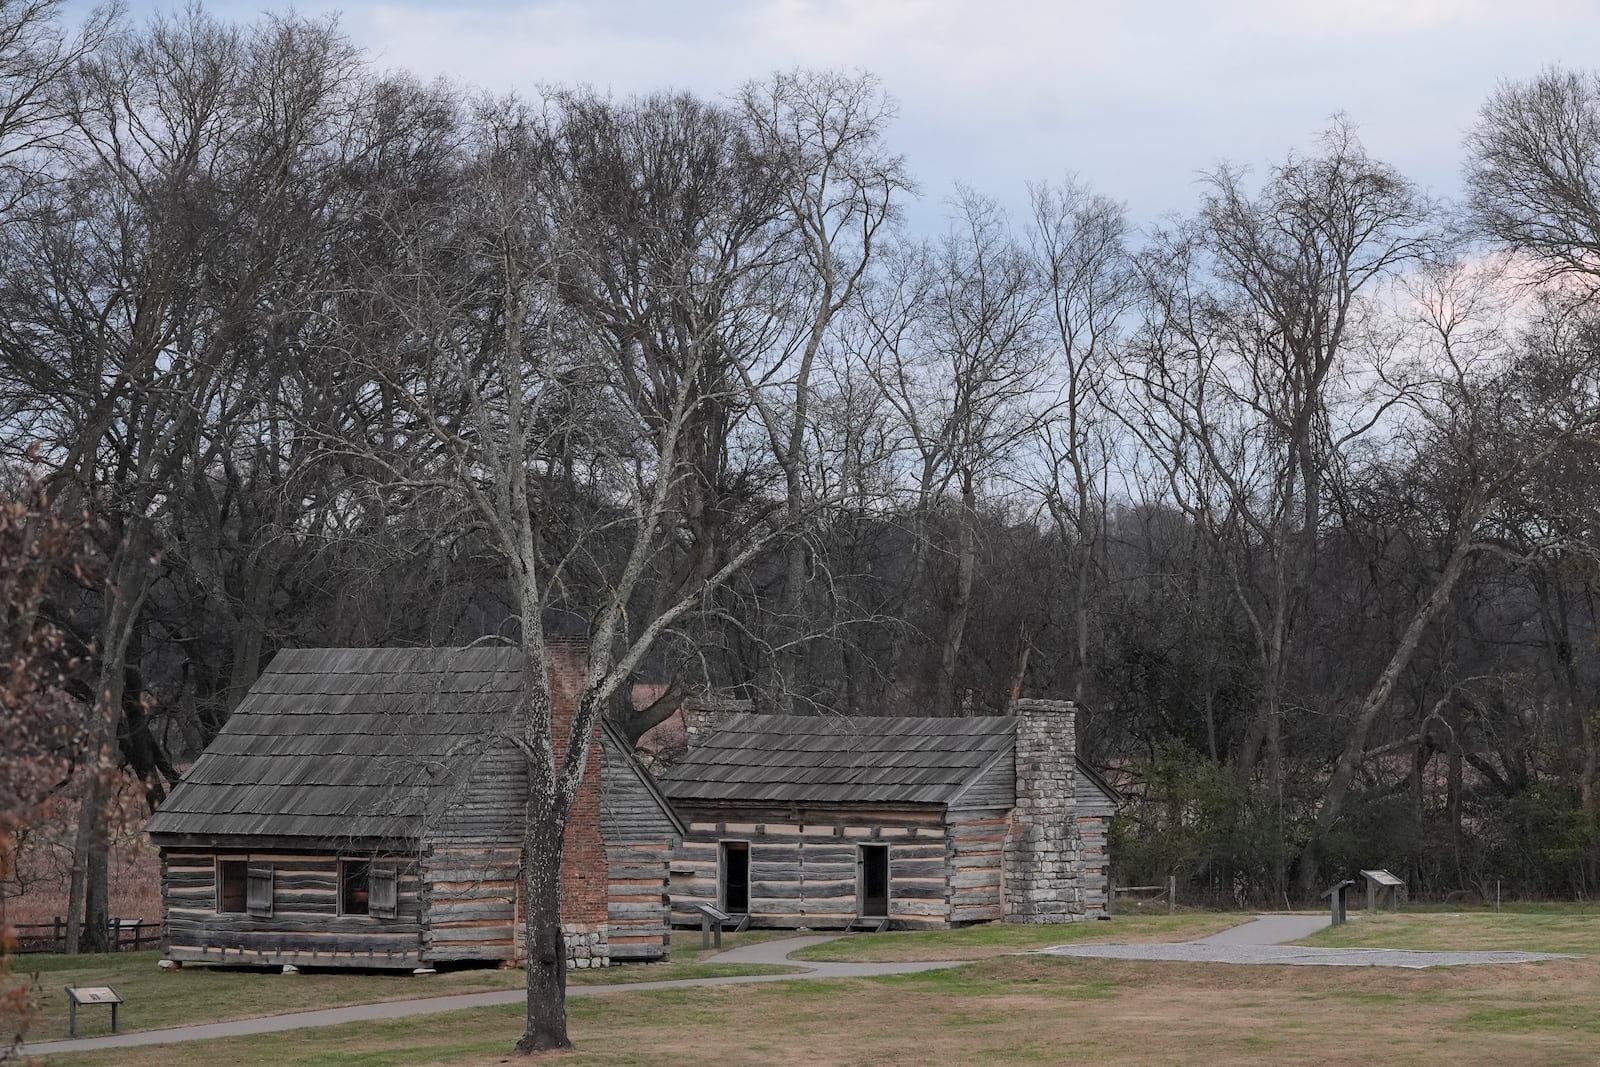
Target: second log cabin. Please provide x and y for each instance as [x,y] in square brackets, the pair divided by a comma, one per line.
[907,822]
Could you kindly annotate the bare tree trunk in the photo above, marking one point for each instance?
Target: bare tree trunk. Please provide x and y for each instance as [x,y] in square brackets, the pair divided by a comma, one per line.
[545,1025]
[1356,743]
[961,602]
[88,894]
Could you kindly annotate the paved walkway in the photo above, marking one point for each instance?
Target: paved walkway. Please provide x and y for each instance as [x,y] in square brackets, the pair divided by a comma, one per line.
[774,952]
[1258,941]
[1263,941]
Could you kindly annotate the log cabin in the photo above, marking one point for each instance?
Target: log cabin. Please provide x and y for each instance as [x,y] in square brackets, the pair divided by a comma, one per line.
[364,807]
[911,822]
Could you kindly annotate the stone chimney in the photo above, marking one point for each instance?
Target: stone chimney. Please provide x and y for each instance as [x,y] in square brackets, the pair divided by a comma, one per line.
[704,714]
[1043,850]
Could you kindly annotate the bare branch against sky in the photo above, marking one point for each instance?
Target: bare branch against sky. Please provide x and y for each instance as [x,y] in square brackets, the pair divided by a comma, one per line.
[1137,97]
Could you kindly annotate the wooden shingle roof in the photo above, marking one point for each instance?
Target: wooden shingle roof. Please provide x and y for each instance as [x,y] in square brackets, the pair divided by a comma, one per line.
[345,743]
[833,759]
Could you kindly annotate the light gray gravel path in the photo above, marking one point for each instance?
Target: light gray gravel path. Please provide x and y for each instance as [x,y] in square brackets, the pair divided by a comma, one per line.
[766,952]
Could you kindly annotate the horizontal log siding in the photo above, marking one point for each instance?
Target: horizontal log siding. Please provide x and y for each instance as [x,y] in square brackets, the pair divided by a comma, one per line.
[1095,811]
[1093,830]
[638,921]
[977,843]
[803,864]
[305,928]
[472,902]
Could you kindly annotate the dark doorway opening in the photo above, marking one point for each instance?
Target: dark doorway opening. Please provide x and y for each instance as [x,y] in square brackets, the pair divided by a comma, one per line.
[736,877]
[872,879]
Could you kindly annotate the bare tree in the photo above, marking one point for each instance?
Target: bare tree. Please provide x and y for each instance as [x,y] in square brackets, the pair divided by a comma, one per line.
[190,143]
[520,362]
[1533,171]
[1080,252]
[840,187]
[958,356]
[1262,367]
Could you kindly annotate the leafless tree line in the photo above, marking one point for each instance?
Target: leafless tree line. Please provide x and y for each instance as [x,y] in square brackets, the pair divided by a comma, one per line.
[1294,492]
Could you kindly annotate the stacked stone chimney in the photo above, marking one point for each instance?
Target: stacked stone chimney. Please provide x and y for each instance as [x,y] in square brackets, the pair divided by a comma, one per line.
[704,714]
[1043,850]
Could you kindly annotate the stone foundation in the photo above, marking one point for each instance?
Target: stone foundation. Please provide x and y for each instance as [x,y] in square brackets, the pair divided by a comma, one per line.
[587,944]
[1043,858]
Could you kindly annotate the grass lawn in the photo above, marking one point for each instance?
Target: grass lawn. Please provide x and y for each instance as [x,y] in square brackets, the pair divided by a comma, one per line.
[1524,927]
[1016,1010]
[999,939]
[157,998]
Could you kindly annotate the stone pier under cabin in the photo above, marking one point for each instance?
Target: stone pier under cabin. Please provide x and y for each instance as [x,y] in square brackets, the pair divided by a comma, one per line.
[827,822]
[363,808]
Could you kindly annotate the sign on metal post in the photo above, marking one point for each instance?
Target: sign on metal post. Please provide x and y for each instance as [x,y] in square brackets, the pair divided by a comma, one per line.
[90,994]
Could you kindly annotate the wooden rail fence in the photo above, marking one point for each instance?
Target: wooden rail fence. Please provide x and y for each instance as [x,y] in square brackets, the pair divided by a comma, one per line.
[127,935]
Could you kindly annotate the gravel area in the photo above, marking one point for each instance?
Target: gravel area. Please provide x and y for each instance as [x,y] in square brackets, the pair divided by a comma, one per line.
[1201,952]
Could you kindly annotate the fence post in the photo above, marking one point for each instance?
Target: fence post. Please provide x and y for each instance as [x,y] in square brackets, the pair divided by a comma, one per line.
[56,936]
[1172,894]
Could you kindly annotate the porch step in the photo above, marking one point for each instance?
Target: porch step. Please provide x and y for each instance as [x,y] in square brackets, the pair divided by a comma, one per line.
[868,924]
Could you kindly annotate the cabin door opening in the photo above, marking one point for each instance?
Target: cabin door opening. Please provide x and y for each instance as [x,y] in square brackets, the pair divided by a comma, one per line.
[736,877]
[872,879]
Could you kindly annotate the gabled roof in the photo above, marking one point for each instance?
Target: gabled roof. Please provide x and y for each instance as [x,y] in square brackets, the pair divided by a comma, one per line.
[830,758]
[346,743]
[835,759]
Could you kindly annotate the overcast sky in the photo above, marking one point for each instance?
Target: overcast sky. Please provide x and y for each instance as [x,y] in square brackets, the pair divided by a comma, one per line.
[1136,96]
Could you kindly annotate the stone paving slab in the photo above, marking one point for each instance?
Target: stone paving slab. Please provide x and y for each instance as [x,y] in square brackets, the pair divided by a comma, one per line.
[1268,930]
[1298,956]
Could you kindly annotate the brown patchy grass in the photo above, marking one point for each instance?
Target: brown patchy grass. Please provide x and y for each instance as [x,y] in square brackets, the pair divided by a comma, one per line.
[999,939]
[1019,1010]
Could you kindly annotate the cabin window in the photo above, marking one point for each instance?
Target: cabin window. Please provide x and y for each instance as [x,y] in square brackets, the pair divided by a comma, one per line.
[232,894]
[367,888]
[355,887]
[736,877]
[258,895]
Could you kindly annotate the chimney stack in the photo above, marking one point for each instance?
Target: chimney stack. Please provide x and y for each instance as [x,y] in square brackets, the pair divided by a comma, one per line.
[1043,860]
[704,714]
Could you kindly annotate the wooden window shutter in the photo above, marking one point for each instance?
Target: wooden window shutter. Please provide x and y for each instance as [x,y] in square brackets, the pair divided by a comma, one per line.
[258,897]
[385,890]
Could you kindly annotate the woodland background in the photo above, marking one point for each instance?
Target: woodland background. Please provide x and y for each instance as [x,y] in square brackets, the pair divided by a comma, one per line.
[1294,493]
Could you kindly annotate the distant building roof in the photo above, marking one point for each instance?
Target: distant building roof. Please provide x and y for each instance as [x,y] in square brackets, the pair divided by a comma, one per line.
[835,759]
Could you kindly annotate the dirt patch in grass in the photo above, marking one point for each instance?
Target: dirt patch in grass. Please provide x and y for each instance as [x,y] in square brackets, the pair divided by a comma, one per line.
[1017,1010]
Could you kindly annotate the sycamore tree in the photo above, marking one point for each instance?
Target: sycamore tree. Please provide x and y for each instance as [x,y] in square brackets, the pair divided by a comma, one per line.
[562,354]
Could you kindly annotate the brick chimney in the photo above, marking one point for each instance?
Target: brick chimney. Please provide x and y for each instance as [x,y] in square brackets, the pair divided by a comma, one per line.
[704,714]
[1043,850]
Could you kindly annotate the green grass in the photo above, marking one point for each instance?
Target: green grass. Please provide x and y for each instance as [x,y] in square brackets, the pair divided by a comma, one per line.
[993,939]
[196,994]
[1568,928]
[1008,1011]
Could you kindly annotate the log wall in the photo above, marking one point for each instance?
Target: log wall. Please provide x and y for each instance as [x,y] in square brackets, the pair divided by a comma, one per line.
[639,840]
[976,850]
[305,928]
[803,864]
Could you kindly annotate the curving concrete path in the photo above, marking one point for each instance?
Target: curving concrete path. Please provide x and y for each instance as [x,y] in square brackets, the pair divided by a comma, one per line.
[1262,941]
[774,952]
[1257,942]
